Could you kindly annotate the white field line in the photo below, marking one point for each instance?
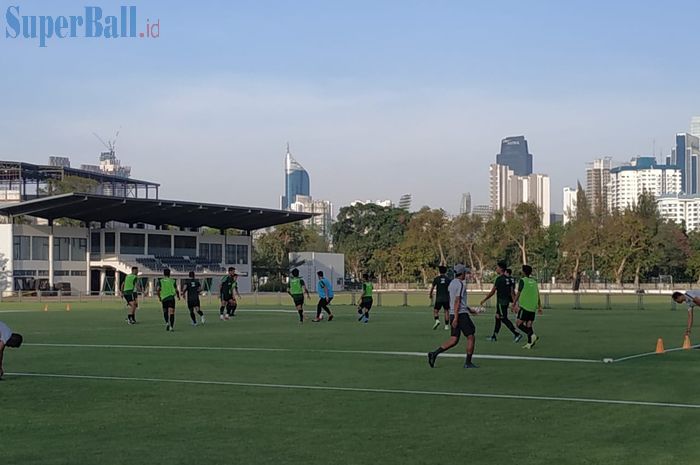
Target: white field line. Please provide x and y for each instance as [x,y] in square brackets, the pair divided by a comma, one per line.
[647,354]
[328,351]
[366,390]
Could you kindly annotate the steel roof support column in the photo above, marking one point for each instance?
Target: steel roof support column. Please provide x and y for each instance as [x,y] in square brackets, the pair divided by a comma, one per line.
[51,254]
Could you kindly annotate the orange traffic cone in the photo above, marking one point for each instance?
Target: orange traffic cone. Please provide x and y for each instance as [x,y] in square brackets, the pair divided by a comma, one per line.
[686,343]
[68,307]
[46,307]
[660,346]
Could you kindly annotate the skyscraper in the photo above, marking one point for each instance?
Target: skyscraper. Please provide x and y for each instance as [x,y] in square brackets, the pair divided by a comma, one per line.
[296,181]
[695,126]
[570,197]
[465,207]
[405,202]
[642,175]
[515,155]
[598,184]
[507,190]
[685,157]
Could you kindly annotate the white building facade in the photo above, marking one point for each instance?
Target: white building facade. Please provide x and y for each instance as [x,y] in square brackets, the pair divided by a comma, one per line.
[507,190]
[643,174]
[569,204]
[681,209]
[323,209]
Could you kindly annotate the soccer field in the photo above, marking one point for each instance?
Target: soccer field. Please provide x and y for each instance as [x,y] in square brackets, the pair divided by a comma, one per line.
[86,388]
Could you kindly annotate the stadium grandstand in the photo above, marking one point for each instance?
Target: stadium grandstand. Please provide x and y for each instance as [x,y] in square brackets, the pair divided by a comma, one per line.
[87,243]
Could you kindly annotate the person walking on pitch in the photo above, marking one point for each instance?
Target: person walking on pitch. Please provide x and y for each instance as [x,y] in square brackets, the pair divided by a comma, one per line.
[442,297]
[366,300]
[460,321]
[504,296]
[526,301]
[325,295]
[297,288]
[192,289]
[167,291]
[130,294]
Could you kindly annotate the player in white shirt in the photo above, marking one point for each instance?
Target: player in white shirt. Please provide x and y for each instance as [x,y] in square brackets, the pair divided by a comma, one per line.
[692,299]
[7,339]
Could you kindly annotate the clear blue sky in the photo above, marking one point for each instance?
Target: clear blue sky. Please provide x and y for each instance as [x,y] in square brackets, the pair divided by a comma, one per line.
[376,98]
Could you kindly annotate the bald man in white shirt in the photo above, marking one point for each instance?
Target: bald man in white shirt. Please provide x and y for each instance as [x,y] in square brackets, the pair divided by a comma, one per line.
[7,339]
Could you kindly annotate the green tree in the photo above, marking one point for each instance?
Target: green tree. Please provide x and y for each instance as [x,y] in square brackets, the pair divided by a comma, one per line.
[522,226]
[361,230]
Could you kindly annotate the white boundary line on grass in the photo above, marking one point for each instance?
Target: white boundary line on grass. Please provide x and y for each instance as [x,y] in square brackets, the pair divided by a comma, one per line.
[647,354]
[366,390]
[328,351]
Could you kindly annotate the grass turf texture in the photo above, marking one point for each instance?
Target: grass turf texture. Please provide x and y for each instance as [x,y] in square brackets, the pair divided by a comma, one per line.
[87,421]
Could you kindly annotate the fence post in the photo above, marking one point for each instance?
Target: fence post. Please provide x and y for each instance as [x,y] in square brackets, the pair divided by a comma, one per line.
[60,296]
[577,301]
[640,301]
[405,299]
[379,299]
[546,301]
[353,302]
[37,293]
[608,305]
[279,298]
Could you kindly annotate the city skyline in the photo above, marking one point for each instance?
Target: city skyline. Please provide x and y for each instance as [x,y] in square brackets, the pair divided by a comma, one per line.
[376,108]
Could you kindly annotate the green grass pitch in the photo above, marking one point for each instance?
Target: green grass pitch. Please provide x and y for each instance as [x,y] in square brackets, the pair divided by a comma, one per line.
[342,392]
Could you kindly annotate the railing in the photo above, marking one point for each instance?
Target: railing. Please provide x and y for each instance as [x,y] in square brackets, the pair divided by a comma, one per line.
[554,298]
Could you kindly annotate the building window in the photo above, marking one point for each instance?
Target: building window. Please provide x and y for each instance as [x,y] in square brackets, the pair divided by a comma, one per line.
[133,244]
[78,249]
[186,245]
[61,273]
[159,244]
[40,248]
[95,242]
[242,254]
[21,248]
[61,249]
[78,273]
[110,242]
[24,273]
[230,254]
[211,252]
[237,254]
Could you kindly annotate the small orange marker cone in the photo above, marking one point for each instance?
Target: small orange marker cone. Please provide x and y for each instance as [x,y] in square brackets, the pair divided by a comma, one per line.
[686,343]
[660,346]
[68,307]
[46,307]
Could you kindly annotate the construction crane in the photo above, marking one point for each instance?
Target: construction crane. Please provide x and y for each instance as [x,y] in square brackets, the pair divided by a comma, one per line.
[110,144]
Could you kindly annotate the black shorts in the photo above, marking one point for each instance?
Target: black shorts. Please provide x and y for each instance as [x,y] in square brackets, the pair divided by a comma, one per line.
[168,302]
[130,297]
[464,326]
[526,315]
[324,301]
[226,297]
[194,303]
[366,303]
[502,309]
[442,304]
[298,299]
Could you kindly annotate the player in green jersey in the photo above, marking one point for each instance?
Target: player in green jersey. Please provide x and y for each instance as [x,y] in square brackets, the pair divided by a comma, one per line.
[527,301]
[130,294]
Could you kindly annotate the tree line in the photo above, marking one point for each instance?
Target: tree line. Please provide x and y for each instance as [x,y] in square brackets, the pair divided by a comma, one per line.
[628,246]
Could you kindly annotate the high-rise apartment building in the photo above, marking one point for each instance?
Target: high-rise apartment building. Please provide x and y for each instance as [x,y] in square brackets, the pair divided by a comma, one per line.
[598,184]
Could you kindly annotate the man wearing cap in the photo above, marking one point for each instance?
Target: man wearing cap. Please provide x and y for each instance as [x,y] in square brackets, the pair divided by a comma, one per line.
[7,339]
[460,321]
